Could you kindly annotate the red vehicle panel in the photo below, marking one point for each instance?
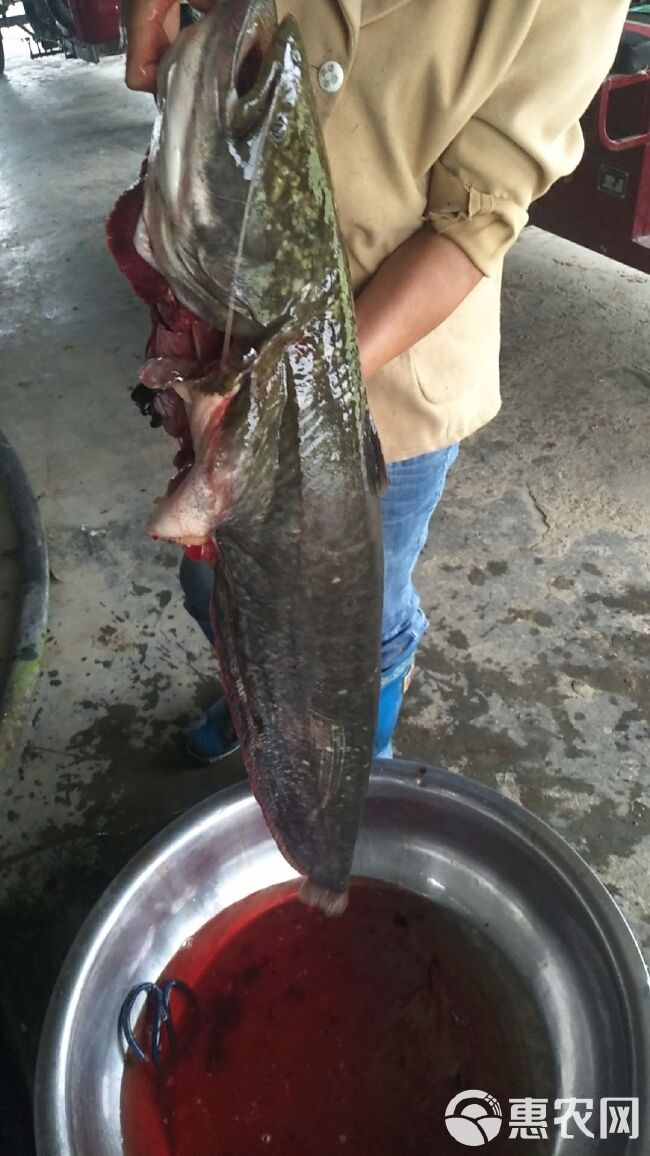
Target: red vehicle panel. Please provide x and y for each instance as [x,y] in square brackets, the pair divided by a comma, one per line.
[96,21]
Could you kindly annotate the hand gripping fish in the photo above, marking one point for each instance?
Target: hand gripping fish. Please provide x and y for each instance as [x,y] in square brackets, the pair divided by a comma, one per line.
[279,463]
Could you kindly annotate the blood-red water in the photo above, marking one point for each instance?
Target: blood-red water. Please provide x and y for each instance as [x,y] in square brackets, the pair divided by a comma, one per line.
[316,1036]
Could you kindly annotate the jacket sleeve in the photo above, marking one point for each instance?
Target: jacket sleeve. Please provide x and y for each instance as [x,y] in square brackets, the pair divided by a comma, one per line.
[527,133]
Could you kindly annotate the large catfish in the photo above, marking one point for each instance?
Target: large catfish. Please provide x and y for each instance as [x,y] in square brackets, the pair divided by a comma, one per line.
[240,221]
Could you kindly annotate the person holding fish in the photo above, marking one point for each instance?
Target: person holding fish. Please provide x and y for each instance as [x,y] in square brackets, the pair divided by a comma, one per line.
[442,122]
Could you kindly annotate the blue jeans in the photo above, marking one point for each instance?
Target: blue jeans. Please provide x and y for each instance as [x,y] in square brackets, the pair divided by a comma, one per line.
[415,487]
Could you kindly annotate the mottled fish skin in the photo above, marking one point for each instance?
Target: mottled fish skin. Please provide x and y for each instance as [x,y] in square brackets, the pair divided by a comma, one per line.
[298,580]
[221,170]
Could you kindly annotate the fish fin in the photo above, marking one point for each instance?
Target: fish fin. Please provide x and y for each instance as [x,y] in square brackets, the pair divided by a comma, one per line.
[191,513]
[326,900]
[375,457]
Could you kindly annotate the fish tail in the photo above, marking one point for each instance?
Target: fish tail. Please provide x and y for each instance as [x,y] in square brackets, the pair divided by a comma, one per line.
[324,898]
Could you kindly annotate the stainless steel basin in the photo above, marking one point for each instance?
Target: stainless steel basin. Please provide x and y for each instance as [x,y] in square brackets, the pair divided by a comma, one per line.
[538,910]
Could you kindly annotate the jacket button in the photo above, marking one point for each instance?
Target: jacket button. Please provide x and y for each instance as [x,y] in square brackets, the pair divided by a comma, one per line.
[330,76]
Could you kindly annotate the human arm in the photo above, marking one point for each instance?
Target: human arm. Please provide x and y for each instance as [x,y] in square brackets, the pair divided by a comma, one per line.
[414,290]
[546,60]
[520,135]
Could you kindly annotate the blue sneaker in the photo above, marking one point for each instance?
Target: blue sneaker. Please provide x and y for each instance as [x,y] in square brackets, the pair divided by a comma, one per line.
[394,685]
[213,736]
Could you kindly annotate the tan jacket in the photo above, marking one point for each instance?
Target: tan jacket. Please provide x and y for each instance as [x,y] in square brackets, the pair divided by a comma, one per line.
[460,113]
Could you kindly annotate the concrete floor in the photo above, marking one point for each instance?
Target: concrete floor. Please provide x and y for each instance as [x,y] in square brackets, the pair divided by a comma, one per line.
[535,675]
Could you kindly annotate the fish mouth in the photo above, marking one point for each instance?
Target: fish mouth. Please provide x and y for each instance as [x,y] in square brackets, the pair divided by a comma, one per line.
[250,65]
[255,71]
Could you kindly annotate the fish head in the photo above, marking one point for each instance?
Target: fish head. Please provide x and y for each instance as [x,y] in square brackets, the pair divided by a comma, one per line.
[238,206]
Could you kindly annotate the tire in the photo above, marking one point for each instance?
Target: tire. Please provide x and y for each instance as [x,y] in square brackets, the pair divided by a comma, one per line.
[40,20]
[62,15]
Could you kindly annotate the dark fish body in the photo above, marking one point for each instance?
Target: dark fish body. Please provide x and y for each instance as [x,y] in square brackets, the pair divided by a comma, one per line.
[286,476]
[297,608]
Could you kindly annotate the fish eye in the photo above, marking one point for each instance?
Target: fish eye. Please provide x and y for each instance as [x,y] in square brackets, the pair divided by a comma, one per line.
[249,70]
[279,126]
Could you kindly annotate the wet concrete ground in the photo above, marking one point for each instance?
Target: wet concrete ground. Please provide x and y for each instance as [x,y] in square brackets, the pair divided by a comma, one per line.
[535,675]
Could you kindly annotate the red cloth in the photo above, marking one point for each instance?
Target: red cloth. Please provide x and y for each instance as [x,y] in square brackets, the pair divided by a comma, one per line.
[177,335]
[176,332]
